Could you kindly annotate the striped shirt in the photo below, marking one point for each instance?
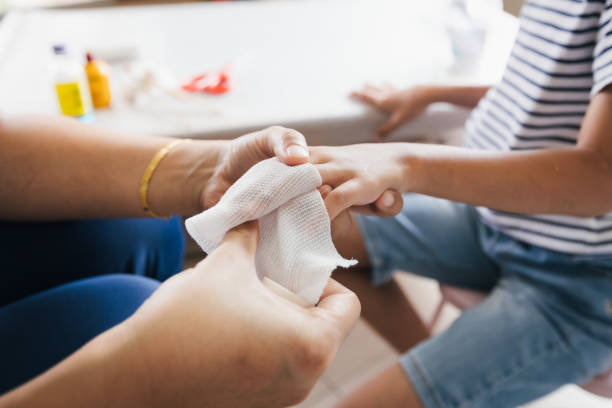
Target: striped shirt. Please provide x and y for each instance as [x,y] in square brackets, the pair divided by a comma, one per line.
[561,58]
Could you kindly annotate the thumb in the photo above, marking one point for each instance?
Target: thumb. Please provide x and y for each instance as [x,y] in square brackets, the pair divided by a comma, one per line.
[389,204]
[235,255]
[342,309]
[395,121]
[242,239]
[289,146]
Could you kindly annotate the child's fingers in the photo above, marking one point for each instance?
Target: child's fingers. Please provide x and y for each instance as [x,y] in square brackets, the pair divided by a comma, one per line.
[387,87]
[324,190]
[395,120]
[389,204]
[332,174]
[372,88]
[344,196]
[367,97]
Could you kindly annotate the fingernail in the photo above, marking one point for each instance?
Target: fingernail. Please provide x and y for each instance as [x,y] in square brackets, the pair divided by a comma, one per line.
[388,199]
[297,151]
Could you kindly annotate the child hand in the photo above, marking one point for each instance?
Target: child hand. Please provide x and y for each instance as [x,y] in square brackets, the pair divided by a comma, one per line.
[401,105]
[369,175]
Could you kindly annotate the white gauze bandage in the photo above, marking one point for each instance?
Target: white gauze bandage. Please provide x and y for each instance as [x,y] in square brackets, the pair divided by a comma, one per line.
[295,247]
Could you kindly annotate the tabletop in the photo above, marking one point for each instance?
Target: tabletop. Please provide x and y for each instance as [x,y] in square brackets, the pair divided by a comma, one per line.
[293,63]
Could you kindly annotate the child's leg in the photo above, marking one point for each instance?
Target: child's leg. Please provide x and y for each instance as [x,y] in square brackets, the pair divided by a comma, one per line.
[405,329]
[390,389]
[520,344]
[430,237]
[547,323]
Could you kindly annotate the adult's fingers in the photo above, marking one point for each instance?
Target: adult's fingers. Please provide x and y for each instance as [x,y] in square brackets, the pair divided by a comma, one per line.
[341,305]
[235,254]
[288,145]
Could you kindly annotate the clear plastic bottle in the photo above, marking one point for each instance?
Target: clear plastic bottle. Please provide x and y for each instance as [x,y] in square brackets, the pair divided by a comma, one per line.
[71,85]
[467,24]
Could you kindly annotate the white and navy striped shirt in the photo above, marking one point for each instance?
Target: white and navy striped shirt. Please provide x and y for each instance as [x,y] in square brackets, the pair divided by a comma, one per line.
[561,58]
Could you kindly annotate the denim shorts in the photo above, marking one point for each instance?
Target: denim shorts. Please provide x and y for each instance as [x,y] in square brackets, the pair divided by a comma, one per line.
[547,321]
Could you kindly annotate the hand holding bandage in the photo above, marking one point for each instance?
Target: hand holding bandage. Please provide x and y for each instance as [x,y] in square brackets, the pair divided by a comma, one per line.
[295,247]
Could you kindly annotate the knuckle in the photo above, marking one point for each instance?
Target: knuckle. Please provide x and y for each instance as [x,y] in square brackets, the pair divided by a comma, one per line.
[366,179]
[313,355]
[339,198]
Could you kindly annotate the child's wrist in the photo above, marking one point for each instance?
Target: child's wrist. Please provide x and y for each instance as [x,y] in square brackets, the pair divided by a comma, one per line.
[411,171]
[432,94]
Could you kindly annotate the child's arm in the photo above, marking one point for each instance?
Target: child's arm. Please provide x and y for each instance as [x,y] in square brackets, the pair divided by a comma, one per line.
[405,105]
[574,181]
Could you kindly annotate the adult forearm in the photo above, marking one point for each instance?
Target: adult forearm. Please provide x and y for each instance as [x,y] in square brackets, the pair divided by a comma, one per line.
[55,168]
[574,182]
[104,373]
[465,96]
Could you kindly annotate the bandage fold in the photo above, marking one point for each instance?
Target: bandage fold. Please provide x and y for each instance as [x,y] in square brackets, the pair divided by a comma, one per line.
[295,247]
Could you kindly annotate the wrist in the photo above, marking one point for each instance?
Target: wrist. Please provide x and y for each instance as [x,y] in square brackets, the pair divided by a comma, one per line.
[411,166]
[177,185]
[433,94]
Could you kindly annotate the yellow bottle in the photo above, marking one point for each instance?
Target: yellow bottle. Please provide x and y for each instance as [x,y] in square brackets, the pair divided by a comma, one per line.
[97,75]
[71,85]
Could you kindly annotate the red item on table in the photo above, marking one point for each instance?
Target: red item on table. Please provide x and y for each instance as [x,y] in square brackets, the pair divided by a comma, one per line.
[214,82]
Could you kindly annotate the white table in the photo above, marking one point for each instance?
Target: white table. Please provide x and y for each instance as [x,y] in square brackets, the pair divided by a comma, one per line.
[295,61]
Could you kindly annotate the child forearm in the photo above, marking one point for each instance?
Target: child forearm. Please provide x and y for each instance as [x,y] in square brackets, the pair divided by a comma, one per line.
[465,96]
[574,182]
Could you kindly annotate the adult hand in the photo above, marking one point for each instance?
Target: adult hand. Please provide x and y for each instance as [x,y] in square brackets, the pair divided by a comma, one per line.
[227,341]
[401,105]
[211,336]
[241,153]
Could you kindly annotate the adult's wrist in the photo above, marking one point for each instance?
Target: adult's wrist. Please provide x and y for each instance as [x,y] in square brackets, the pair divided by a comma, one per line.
[177,185]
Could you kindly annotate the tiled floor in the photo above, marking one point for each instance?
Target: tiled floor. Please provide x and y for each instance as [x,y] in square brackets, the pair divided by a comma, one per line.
[365,354]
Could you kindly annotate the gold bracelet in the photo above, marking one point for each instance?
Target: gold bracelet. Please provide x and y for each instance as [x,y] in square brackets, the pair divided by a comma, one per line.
[146,177]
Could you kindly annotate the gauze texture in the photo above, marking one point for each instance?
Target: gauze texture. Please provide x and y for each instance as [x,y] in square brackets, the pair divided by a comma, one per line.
[295,247]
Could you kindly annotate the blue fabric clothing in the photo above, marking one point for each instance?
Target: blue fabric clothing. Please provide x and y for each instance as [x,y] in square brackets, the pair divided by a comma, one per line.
[40,255]
[547,321]
[40,330]
[66,282]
